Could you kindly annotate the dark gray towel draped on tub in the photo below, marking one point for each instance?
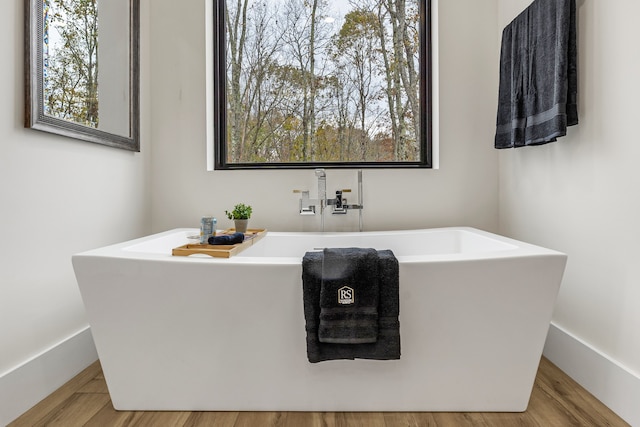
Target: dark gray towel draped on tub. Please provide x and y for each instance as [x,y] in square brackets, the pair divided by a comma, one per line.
[538,75]
[386,345]
[345,319]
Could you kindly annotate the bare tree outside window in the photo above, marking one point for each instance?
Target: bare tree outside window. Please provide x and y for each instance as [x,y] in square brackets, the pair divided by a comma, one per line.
[331,82]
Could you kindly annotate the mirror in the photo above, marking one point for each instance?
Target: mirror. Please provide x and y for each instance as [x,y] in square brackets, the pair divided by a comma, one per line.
[82,69]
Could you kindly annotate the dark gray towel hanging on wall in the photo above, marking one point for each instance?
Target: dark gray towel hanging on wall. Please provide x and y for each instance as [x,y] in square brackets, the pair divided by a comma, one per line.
[537,97]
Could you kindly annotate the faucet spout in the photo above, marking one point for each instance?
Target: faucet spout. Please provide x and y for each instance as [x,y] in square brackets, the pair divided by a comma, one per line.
[322,188]
[339,204]
[322,193]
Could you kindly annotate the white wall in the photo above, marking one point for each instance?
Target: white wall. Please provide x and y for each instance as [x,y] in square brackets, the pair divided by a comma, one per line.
[61,196]
[462,191]
[580,195]
[58,196]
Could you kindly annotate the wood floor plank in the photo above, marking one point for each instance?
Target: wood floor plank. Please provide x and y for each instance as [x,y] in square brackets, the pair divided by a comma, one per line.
[75,411]
[96,385]
[263,419]
[159,418]
[211,419]
[547,412]
[108,416]
[48,404]
[409,419]
[459,419]
[310,419]
[514,419]
[566,398]
[556,401]
[360,419]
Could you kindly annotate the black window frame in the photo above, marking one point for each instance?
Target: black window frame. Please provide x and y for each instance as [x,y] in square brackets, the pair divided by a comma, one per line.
[220,104]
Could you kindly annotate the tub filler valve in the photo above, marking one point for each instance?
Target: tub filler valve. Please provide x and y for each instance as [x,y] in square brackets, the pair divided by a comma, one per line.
[339,203]
[307,207]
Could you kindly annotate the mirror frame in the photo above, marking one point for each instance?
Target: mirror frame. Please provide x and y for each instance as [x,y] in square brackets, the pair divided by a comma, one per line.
[34,84]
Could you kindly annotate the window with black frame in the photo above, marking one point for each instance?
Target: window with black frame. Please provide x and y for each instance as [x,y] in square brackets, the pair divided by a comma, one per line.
[322,83]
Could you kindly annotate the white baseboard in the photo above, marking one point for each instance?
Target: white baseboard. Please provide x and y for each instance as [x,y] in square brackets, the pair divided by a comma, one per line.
[611,383]
[29,383]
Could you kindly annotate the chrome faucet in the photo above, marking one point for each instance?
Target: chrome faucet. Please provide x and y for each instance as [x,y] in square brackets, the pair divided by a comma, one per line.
[322,188]
[339,203]
[308,205]
[322,193]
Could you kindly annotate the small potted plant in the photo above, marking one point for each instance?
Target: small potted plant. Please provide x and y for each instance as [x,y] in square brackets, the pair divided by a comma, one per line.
[240,215]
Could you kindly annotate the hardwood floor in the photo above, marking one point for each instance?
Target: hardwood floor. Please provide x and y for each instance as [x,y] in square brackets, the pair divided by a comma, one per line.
[556,400]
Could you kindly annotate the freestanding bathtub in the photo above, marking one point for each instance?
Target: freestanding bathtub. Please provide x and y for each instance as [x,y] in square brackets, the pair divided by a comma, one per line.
[202,333]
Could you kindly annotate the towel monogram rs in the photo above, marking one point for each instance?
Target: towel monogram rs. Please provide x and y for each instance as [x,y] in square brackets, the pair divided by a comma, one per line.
[346,295]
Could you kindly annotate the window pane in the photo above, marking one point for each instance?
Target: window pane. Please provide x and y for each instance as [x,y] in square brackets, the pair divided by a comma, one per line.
[322,82]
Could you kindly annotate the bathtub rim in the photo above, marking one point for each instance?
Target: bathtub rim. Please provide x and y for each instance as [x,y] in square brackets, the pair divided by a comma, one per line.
[518,248]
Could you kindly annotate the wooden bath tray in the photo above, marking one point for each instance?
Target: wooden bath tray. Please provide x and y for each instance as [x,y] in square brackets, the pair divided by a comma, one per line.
[222,251]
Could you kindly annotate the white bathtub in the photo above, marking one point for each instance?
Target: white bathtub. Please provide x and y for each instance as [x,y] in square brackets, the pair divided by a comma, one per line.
[200,333]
